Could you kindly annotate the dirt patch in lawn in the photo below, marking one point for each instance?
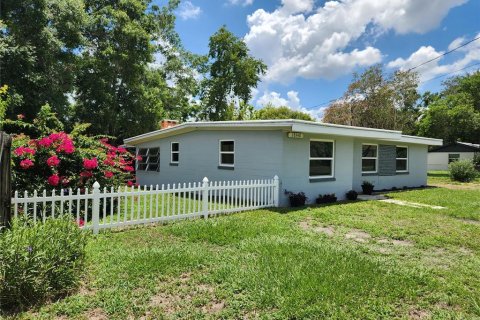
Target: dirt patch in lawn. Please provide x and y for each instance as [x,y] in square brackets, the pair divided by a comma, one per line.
[85,290]
[358,235]
[182,292]
[329,231]
[471,221]
[167,302]
[307,226]
[417,314]
[474,186]
[396,242]
[96,314]
[213,307]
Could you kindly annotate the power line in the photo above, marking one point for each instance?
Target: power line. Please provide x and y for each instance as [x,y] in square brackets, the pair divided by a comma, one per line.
[446,74]
[444,54]
[417,66]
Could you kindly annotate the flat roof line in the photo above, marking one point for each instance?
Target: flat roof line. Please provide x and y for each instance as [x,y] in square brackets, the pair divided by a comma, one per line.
[266,124]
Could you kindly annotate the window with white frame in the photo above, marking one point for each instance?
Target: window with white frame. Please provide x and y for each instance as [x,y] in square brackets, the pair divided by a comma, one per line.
[402,159]
[321,158]
[148,159]
[227,153]
[452,157]
[174,152]
[369,158]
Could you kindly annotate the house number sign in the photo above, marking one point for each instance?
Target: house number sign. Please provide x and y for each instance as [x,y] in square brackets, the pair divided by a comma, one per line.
[295,135]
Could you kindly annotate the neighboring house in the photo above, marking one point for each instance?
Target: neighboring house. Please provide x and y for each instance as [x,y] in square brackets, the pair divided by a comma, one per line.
[312,157]
[439,158]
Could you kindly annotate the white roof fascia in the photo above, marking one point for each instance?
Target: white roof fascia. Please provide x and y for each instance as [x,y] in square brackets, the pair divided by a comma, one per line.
[292,125]
[218,125]
[360,132]
[421,140]
[346,131]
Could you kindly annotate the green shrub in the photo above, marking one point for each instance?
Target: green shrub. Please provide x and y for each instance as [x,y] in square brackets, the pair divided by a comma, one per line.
[326,198]
[367,187]
[352,195]
[48,157]
[39,261]
[296,199]
[462,170]
[476,160]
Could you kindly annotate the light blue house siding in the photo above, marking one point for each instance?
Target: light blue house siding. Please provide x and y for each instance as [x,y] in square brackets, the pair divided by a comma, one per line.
[262,154]
[258,155]
[295,167]
[415,176]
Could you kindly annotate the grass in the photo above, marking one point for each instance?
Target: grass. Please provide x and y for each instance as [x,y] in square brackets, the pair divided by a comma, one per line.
[154,206]
[364,260]
[442,178]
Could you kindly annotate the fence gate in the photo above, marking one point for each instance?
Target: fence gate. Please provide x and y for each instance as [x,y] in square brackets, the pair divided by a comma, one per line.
[5,179]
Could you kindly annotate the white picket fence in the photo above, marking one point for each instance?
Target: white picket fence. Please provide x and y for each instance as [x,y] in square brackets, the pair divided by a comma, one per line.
[109,208]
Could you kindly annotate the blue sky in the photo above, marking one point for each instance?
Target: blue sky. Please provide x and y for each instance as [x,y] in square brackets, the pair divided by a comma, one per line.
[312,47]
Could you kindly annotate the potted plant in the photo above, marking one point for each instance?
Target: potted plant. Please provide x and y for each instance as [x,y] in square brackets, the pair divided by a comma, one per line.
[296,199]
[367,187]
[352,195]
[326,198]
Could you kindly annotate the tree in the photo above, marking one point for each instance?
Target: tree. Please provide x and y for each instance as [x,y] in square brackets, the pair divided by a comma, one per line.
[468,83]
[37,58]
[3,104]
[453,114]
[232,75]
[122,88]
[452,118]
[271,112]
[116,91]
[376,100]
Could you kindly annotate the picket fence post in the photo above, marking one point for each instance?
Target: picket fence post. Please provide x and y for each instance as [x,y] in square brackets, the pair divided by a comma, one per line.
[205,198]
[96,207]
[276,190]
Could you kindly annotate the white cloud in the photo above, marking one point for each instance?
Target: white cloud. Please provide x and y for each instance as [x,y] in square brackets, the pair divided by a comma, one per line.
[187,10]
[296,6]
[455,43]
[241,2]
[470,53]
[292,101]
[301,40]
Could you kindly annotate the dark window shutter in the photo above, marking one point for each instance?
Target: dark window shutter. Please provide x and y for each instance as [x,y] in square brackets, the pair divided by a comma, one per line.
[387,156]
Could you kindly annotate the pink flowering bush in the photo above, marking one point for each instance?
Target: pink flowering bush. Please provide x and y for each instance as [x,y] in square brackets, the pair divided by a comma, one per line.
[56,159]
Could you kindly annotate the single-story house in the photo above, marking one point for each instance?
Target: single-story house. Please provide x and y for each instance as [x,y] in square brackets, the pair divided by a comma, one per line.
[440,157]
[310,157]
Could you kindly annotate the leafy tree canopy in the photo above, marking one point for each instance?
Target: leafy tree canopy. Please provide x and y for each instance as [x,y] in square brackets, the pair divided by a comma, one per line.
[233,73]
[119,89]
[452,118]
[283,112]
[453,114]
[117,64]
[468,84]
[37,52]
[376,100]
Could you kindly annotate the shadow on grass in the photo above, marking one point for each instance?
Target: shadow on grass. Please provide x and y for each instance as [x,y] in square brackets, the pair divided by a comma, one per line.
[438,174]
[284,210]
[376,192]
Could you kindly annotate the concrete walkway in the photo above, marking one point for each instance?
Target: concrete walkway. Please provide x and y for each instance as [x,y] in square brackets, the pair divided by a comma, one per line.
[382,198]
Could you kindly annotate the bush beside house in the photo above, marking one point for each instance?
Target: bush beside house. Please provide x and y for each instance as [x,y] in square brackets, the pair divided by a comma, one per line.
[296,199]
[39,261]
[367,187]
[48,157]
[462,170]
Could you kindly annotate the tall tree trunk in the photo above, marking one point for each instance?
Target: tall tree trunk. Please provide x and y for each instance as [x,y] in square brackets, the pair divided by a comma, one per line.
[5,179]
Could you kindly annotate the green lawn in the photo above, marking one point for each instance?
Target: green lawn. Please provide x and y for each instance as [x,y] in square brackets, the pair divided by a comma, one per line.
[364,260]
[442,178]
